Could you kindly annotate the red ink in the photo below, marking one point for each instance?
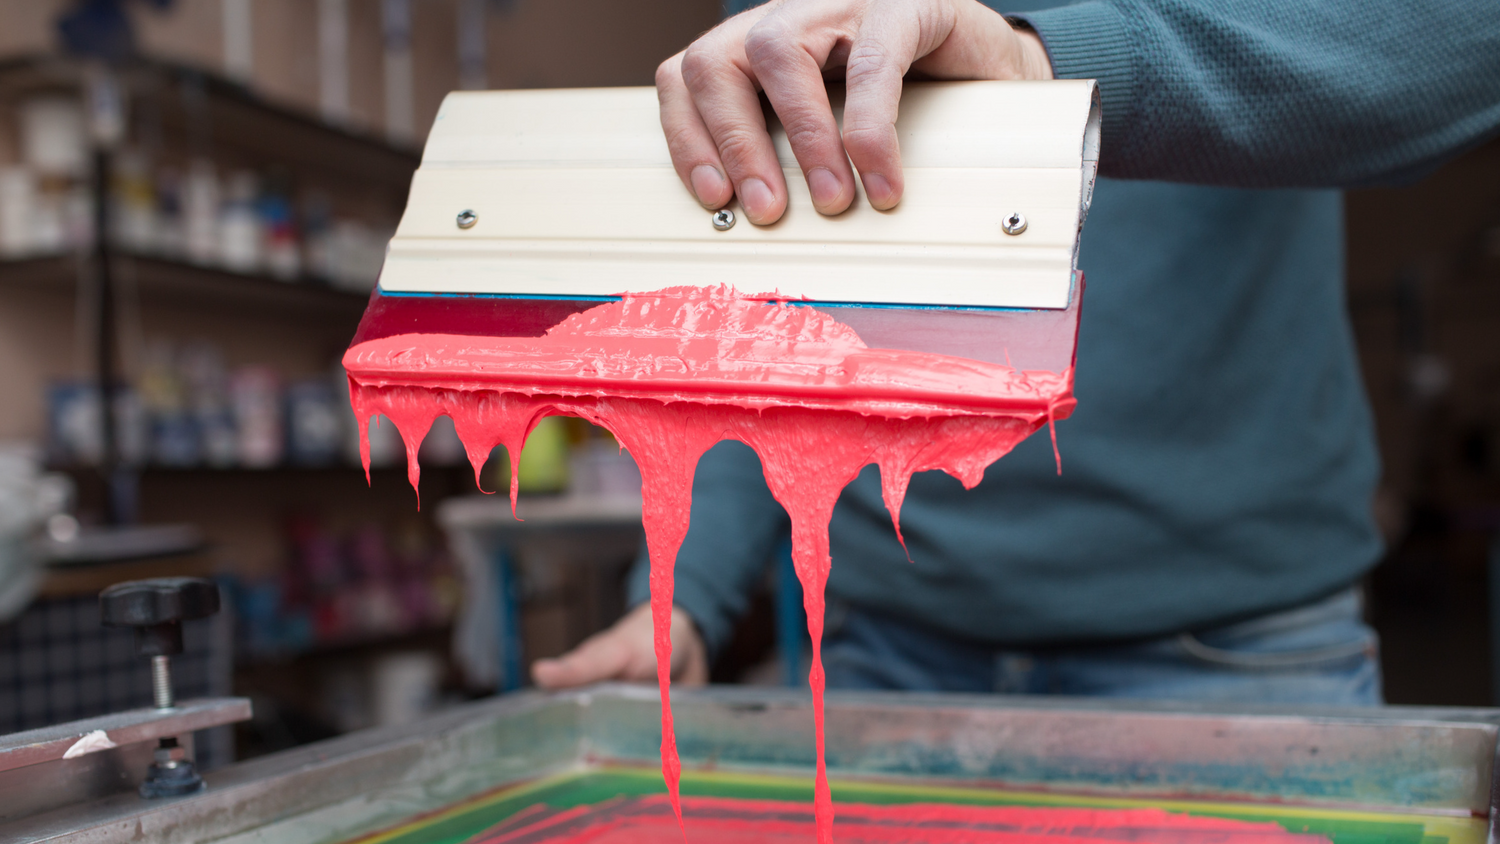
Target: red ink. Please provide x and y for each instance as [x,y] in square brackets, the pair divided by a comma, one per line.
[674,372]
[729,821]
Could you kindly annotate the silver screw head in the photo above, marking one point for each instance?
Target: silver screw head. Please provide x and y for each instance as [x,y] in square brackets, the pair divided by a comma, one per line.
[467,219]
[1014,224]
[723,219]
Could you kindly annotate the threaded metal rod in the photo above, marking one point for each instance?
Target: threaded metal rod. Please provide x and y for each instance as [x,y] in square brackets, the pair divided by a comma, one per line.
[161,681]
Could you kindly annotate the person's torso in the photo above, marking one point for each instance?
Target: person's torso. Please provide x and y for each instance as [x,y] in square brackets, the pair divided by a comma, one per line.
[1221,460]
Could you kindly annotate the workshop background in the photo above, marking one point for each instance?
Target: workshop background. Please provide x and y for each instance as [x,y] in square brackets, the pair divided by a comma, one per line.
[251,158]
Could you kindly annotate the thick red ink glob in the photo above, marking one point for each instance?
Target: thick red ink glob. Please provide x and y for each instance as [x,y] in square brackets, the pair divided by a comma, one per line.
[674,372]
[641,820]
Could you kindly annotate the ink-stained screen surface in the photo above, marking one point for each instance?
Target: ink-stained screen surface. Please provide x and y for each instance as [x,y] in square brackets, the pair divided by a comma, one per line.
[627,806]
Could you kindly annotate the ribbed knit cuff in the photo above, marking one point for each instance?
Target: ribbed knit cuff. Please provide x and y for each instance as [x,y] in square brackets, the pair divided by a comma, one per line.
[1092,40]
[713,625]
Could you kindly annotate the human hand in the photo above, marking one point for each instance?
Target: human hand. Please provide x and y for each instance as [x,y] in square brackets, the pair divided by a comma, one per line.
[712,115]
[626,652]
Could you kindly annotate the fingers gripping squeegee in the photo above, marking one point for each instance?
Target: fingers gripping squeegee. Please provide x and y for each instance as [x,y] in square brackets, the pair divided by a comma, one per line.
[537,217]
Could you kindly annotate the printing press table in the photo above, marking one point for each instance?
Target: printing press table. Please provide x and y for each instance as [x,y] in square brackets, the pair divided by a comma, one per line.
[1431,768]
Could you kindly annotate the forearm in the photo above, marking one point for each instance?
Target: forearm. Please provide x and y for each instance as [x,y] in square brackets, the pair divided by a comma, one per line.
[1280,93]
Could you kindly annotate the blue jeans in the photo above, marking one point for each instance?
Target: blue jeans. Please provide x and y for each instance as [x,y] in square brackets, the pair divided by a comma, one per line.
[1320,653]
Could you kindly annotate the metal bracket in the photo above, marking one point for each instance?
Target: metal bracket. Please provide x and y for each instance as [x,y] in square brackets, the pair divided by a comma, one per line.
[86,760]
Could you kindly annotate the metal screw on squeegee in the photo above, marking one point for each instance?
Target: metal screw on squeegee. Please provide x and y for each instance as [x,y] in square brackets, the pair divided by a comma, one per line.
[467,218]
[156,609]
[1014,224]
[723,219]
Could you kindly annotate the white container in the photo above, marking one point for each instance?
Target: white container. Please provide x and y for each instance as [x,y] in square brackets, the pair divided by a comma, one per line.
[200,213]
[53,142]
[255,395]
[27,499]
[133,204]
[240,235]
[405,686]
[17,212]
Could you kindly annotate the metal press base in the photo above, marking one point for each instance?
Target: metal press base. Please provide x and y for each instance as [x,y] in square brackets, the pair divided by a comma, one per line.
[1425,761]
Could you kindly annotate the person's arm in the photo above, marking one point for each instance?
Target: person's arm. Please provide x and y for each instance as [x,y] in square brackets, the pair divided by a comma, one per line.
[1282,93]
[735,527]
[1251,93]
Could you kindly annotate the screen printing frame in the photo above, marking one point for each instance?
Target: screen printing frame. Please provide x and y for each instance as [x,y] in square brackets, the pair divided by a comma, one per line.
[1422,761]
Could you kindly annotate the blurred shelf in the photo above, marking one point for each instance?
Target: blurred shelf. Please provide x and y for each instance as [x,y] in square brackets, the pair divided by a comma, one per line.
[158,279]
[268,471]
[541,512]
[72,581]
[355,647]
[224,113]
[104,545]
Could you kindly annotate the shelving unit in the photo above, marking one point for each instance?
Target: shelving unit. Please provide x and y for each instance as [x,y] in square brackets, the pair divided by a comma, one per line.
[298,327]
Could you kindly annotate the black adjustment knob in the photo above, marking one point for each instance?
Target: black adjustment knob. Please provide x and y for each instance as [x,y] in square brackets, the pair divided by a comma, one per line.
[156,609]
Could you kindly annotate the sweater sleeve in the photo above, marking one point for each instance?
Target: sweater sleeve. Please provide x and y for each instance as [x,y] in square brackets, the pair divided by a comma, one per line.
[736,525]
[1282,93]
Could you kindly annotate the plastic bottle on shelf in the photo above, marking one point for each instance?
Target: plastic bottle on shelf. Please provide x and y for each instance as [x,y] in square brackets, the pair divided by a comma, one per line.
[314,424]
[404,686]
[240,229]
[174,436]
[59,216]
[53,142]
[356,252]
[317,221]
[207,384]
[54,149]
[17,212]
[171,234]
[73,429]
[283,257]
[133,203]
[200,212]
[75,215]
[255,393]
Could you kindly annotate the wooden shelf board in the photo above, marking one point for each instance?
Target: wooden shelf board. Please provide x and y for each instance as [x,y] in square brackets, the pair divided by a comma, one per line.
[270,471]
[232,114]
[159,279]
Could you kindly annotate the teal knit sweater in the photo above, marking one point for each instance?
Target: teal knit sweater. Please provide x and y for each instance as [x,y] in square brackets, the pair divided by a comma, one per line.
[1221,461]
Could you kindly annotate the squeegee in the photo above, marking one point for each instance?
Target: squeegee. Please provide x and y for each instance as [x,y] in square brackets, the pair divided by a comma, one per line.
[530,208]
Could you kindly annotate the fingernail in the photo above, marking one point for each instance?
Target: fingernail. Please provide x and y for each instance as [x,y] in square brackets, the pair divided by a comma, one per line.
[878,190]
[826,188]
[756,198]
[708,184]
